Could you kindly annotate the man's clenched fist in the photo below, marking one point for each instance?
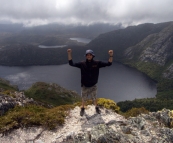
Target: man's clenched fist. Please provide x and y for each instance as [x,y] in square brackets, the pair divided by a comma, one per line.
[69,51]
[110,52]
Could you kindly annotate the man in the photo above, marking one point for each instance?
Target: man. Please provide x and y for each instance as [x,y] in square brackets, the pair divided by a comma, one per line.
[89,75]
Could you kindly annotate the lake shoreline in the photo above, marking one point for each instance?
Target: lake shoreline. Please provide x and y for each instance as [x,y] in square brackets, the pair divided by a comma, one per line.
[117,82]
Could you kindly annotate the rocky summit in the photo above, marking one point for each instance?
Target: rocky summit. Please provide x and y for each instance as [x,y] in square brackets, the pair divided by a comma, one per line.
[107,127]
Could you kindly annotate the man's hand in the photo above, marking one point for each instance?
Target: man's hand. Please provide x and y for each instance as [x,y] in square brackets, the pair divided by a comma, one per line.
[110,52]
[69,54]
[69,51]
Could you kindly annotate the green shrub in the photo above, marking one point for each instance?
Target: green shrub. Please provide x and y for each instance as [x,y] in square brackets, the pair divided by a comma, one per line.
[33,115]
[135,112]
[108,104]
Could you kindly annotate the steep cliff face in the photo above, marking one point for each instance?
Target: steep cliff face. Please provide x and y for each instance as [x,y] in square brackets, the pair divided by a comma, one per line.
[157,48]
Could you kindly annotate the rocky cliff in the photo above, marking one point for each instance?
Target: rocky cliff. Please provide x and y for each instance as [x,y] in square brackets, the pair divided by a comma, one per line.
[155,48]
[13,99]
[107,127]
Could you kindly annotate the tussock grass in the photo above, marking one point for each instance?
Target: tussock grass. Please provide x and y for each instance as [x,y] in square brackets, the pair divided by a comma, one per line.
[33,115]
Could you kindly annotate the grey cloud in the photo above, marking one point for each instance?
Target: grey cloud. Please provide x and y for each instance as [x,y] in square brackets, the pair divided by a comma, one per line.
[35,12]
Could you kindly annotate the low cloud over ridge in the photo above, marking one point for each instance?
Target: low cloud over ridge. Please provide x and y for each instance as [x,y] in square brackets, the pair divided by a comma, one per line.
[127,12]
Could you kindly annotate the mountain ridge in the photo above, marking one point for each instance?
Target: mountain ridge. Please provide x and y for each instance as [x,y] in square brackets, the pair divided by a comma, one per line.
[117,40]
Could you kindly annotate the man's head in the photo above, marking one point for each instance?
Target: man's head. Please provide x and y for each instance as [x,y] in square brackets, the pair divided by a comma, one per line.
[89,55]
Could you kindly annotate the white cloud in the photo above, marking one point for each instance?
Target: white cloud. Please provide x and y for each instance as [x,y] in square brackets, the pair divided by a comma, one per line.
[32,12]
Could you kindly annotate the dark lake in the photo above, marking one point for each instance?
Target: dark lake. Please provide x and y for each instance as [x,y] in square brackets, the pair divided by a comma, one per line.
[117,82]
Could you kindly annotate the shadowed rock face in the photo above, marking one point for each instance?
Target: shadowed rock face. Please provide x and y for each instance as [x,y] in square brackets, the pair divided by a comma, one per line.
[156,48]
[106,127]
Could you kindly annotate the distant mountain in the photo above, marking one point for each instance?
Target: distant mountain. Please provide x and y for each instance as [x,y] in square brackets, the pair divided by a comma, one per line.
[22,53]
[89,31]
[121,39]
[25,55]
[51,34]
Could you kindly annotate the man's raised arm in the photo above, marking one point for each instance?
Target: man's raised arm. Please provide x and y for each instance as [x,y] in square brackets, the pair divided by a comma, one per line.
[69,51]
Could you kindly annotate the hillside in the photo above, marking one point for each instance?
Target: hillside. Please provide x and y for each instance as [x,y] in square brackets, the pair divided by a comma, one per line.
[51,94]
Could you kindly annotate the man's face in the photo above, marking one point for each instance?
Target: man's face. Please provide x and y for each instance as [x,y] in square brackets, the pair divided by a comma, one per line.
[89,57]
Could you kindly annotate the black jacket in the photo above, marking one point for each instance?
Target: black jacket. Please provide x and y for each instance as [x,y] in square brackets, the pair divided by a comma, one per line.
[89,71]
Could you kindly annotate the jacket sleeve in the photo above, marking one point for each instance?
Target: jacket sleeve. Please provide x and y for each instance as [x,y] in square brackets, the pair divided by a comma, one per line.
[104,64]
[78,65]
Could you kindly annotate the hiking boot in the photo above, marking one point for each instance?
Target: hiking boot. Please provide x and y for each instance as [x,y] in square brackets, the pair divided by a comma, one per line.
[82,111]
[98,110]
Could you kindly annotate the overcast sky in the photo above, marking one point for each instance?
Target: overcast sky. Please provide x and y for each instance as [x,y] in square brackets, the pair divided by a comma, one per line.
[127,12]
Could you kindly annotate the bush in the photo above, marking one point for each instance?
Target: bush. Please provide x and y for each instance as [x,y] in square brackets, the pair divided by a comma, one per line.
[135,112]
[108,104]
[33,115]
